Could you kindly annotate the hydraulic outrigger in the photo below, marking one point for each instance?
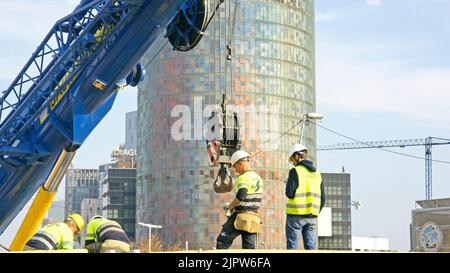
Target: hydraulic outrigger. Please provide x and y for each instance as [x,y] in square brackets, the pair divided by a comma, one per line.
[42,201]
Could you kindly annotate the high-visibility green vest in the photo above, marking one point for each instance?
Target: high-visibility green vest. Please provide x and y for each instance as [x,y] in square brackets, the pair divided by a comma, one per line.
[92,228]
[251,181]
[308,193]
[56,236]
[99,227]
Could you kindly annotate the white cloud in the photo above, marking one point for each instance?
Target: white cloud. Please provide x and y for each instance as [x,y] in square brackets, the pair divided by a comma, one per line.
[421,95]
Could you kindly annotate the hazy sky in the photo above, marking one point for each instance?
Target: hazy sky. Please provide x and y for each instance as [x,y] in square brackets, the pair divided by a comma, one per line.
[383,72]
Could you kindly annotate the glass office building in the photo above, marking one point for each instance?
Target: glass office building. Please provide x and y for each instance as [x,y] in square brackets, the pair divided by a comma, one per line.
[55,213]
[118,196]
[273,67]
[131,130]
[80,184]
[90,208]
[338,194]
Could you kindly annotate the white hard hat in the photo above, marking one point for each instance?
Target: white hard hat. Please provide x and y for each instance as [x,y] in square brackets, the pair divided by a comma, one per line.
[238,155]
[296,148]
[97,217]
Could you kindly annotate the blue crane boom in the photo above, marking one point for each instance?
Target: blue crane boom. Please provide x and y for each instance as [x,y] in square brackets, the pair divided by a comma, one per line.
[71,81]
[428,142]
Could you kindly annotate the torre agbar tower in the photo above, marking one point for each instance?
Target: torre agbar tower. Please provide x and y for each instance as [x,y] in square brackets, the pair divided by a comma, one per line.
[273,69]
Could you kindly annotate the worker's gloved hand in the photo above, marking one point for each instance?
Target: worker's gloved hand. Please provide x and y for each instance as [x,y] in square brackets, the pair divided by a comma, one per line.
[226,206]
[229,212]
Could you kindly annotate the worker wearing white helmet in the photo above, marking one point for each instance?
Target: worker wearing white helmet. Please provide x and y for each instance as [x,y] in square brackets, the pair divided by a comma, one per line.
[244,220]
[306,195]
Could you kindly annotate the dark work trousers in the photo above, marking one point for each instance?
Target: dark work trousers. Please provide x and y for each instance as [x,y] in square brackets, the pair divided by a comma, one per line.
[229,233]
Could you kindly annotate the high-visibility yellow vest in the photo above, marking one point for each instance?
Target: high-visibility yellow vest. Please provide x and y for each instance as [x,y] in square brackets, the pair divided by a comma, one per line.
[91,230]
[101,229]
[251,181]
[308,193]
[54,236]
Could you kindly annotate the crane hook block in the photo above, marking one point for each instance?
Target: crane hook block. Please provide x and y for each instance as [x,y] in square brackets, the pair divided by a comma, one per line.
[224,132]
[224,181]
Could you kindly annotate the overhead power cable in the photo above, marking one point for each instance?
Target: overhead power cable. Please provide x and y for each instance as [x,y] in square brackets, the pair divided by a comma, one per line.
[278,138]
[157,54]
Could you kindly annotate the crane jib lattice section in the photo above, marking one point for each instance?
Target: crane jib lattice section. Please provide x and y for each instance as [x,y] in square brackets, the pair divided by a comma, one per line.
[67,49]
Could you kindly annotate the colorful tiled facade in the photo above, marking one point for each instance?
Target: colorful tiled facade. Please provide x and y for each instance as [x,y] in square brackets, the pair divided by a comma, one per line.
[273,66]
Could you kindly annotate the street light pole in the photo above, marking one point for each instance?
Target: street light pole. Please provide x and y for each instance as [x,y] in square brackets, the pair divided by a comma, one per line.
[307,117]
[149,226]
[149,240]
[356,204]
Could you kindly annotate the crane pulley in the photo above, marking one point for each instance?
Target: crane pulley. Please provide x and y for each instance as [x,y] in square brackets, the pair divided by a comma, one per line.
[187,28]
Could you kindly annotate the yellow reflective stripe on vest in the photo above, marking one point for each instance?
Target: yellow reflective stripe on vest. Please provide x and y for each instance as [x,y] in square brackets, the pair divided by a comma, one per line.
[316,195]
[67,245]
[302,206]
[308,194]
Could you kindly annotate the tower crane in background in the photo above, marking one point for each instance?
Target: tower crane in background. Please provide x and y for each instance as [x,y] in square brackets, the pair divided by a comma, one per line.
[428,142]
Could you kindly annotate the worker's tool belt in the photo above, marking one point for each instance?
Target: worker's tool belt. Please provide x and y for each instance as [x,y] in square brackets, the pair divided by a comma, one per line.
[248,221]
